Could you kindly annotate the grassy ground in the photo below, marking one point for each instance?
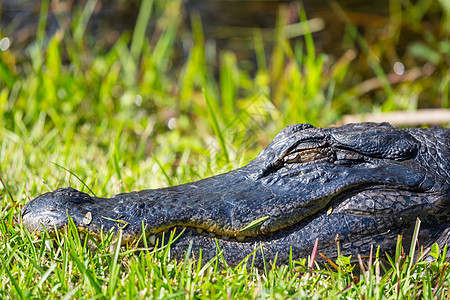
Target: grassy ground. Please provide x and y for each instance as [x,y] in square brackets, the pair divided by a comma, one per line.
[133,117]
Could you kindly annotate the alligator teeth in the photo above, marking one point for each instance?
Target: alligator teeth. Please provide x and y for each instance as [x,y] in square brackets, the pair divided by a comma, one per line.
[225,237]
[152,239]
[199,230]
[113,246]
[48,245]
[240,238]
[211,234]
[87,218]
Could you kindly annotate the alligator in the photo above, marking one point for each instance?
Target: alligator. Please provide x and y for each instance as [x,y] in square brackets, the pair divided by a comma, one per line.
[365,183]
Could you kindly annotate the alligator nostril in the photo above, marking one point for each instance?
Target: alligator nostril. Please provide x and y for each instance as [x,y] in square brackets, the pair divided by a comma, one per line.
[25,210]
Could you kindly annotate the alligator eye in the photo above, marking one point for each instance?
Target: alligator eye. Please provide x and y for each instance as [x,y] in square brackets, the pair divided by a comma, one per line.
[348,156]
[308,155]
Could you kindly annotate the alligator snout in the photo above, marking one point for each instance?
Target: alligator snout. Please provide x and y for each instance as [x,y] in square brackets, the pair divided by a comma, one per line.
[50,210]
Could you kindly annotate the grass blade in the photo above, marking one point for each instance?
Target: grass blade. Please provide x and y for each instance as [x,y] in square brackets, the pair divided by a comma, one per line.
[75,175]
[86,14]
[216,126]
[254,223]
[13,280]
[137,41]
[91,278]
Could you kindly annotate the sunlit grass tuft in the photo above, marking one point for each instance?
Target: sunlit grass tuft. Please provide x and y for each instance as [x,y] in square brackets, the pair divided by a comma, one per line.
[69,265]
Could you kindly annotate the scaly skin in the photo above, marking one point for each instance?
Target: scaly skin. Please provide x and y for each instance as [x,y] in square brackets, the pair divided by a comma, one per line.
[366,182]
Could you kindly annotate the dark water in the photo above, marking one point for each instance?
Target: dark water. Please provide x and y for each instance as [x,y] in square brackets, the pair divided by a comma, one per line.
[227,23]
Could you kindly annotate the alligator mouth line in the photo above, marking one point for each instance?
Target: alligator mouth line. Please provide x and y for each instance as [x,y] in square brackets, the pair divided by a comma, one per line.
[240,236]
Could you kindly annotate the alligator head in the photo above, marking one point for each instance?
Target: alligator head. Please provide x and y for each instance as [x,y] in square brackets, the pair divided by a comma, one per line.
[365,182]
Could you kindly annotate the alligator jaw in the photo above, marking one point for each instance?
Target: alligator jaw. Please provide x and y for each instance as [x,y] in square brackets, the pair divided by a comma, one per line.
[219,206]
[232,205]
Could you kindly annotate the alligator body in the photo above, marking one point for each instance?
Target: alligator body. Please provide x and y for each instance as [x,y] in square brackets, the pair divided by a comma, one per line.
[365,182]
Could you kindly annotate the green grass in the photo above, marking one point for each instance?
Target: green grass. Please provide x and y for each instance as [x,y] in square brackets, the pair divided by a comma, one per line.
[135,117]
